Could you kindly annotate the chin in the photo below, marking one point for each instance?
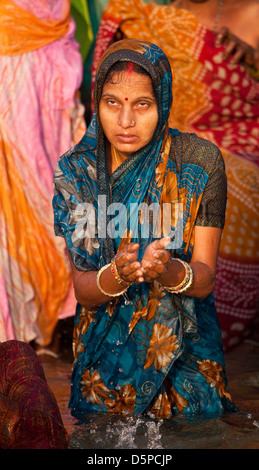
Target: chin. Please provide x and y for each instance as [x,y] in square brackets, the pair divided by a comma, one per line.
[127,148]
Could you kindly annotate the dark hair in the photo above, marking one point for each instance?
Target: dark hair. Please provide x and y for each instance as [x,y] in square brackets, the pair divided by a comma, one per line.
[125,66]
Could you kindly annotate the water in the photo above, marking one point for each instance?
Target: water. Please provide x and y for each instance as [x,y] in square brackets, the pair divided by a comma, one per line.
[236,431]
[239,430]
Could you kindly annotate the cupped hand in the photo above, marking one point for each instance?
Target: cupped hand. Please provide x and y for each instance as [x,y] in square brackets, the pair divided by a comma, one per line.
[128,266]
[155,260]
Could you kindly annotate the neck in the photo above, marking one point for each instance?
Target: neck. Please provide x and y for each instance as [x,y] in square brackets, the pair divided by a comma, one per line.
[118,156]
[115,158]
[209,15]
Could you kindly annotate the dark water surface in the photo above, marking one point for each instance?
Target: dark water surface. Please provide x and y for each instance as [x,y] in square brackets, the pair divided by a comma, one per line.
[239,431]
[230,431]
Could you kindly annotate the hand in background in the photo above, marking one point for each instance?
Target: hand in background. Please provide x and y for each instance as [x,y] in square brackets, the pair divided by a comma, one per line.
[240,51]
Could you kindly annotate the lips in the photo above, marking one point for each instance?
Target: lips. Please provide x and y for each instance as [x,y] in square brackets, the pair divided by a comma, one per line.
[127,138]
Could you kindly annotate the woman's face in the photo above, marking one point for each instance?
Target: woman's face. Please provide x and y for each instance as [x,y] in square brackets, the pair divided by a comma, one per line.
[128,111]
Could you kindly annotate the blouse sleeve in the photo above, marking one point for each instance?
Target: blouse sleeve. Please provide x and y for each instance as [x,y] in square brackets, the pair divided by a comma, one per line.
[213,204]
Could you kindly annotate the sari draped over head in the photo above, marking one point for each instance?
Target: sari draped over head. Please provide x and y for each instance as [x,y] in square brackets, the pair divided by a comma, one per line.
[40,118]
[218,101]
[148,350]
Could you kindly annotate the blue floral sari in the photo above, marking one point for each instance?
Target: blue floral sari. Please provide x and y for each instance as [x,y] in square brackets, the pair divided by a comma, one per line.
[148,350]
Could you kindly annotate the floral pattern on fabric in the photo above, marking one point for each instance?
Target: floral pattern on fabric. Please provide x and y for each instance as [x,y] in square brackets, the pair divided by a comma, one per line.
[128,350]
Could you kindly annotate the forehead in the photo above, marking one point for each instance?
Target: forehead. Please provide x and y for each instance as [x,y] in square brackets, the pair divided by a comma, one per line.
[128,82]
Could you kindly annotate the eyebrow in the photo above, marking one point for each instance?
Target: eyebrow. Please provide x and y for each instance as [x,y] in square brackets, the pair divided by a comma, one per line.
[150,98]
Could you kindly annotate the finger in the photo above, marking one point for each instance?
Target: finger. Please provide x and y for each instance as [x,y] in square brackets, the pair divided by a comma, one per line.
[250,57]
[161,243]
[129,248]
[138,280]
[131,268]
[256,60]
[162,255]
[229,49]
[129,253]
[154,269]
[221,36]
[132,247]
[238,56]
[150,264]
[153,273]
[136,276]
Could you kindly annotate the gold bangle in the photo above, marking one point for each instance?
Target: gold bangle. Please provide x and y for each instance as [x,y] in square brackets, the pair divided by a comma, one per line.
[177,289]
[186,282]
[100,287]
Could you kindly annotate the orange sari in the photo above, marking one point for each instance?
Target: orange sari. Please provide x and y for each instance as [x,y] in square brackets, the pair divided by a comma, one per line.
[40,70]
[18,36]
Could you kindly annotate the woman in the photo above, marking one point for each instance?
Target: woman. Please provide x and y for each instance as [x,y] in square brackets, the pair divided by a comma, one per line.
[29,414]
[146,336]
[215,96]
[40,118]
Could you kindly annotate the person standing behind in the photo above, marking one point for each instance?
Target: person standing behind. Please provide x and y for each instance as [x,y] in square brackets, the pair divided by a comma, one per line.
[40,117]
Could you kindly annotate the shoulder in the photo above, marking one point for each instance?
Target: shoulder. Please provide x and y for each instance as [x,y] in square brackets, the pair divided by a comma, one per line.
[194,150]
[79,161]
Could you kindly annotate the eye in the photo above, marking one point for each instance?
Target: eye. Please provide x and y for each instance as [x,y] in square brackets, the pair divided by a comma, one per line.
[111,102]
[143,104]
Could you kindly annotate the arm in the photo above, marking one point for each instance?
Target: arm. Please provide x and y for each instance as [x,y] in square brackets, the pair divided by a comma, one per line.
[203,263]
[86,290]
[154,266]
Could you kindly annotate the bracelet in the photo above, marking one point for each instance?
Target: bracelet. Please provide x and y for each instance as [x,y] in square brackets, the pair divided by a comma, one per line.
[177,290]
[100,287]
[116,274]
[187,281]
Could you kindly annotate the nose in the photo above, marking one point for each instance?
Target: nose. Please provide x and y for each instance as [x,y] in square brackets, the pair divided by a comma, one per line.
[126,117]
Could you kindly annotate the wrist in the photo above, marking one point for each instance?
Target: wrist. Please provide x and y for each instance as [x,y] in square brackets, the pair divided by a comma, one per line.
[116,275]
[107,284]
[181,279]
[174,273]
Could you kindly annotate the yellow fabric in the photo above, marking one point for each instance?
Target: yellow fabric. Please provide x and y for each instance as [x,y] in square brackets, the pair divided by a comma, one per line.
[22,32]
